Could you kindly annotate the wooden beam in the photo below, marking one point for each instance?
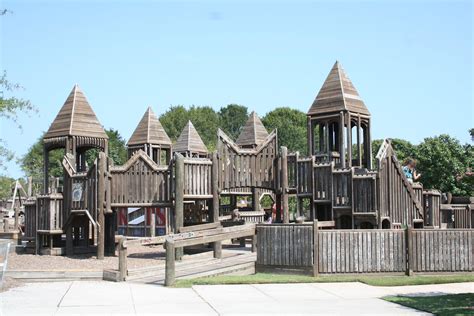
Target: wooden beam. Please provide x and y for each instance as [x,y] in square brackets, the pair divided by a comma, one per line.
[315,248]
[284,184]
[101,207]
[179,198]
[170,264]
[342,148]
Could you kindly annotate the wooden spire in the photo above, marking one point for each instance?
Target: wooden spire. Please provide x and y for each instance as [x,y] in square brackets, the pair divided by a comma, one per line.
[76,118]
[190,141]
[253,133]
[149,131]
[337,94]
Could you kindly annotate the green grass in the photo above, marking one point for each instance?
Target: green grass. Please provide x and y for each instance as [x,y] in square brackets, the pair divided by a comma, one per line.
[452,304]
[260,278]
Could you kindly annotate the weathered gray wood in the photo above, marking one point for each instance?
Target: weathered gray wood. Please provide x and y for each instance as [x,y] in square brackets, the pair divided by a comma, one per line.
[179,198]
[170,263]
[315,249]
[122,260]
[101,207]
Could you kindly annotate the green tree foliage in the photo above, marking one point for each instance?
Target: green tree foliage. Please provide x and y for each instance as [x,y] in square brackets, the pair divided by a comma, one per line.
[10,107]
[232,118]
[117,149]
[443,162]
[403,148]
[6,185]
[204,119]
[291,125]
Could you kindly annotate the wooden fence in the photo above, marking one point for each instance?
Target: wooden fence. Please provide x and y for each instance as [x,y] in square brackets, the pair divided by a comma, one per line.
[283,247]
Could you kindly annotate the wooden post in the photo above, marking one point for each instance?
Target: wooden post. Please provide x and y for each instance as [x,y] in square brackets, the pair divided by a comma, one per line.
[359,145]
[254,242]
[69,244]
[217,246]
[310,137]
[46,171]
[349,140]
[179,198]
[369,147]
[122,259]
[170,263]
[408,236]
[342,148]
[152,225]
[315,248]
[100,203]
[326,141]
[284,184]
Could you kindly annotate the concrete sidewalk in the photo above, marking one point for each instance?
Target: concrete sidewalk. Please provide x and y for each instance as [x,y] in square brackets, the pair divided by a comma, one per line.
[106,298]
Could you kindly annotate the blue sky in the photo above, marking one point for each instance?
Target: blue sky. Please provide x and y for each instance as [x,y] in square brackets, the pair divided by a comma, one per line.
[411,61]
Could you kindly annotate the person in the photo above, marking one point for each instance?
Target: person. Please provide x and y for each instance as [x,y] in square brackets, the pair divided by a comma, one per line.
[410,172]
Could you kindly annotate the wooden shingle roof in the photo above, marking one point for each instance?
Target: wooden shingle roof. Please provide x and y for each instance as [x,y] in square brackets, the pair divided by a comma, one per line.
[76,118]
[337,94]
[253,133]
[190,141]
[149,131]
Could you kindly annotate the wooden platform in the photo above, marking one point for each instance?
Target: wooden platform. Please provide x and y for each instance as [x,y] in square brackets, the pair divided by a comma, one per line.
[235,261]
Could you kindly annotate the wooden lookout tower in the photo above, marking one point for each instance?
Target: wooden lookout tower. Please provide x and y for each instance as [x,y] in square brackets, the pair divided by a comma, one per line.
[253,133]
[75,129]
[339,123]
[151,137]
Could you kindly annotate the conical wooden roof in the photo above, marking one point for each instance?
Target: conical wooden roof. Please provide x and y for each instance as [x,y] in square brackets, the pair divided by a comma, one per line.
[253,133]
[76,118]
[149,131]
[190,141]
[338,93]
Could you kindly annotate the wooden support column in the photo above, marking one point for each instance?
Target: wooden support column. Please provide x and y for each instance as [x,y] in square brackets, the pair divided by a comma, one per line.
[101,206]
[179,198]
[359,144]
[122,259]
[46,171]
[315,248]
[284,184]
[170,263]
[408,236]
[152,225]
[349,140]
[342,148]
[369,147]
[310,133]
[69,242]
[326,140]
[217,246]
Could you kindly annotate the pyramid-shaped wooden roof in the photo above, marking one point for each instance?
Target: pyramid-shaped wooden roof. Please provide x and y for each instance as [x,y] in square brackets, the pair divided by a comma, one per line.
[76,118]
[190,141]
[338,94]
[149,131]
[253,133]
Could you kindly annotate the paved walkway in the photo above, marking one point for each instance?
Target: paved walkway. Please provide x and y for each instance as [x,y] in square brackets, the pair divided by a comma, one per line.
[107,298]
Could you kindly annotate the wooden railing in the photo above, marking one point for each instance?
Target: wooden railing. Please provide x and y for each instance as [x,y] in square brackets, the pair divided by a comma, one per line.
[342,188]
[140,182]
[197,178]
[309,249]
[457,215]
[322,182]
[49,212]
[30,218]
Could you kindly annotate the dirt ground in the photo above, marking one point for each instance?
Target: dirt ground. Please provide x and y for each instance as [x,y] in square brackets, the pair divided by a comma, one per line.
[141,256]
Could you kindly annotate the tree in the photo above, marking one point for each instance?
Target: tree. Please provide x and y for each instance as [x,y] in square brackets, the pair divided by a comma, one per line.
[10,107]
[174,120]
[232,118]
[291,125]
[204,118]
[403,148]
[117,149]
[443,162]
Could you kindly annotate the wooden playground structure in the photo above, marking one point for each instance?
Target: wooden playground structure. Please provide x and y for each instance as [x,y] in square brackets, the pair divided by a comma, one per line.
[169,188]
